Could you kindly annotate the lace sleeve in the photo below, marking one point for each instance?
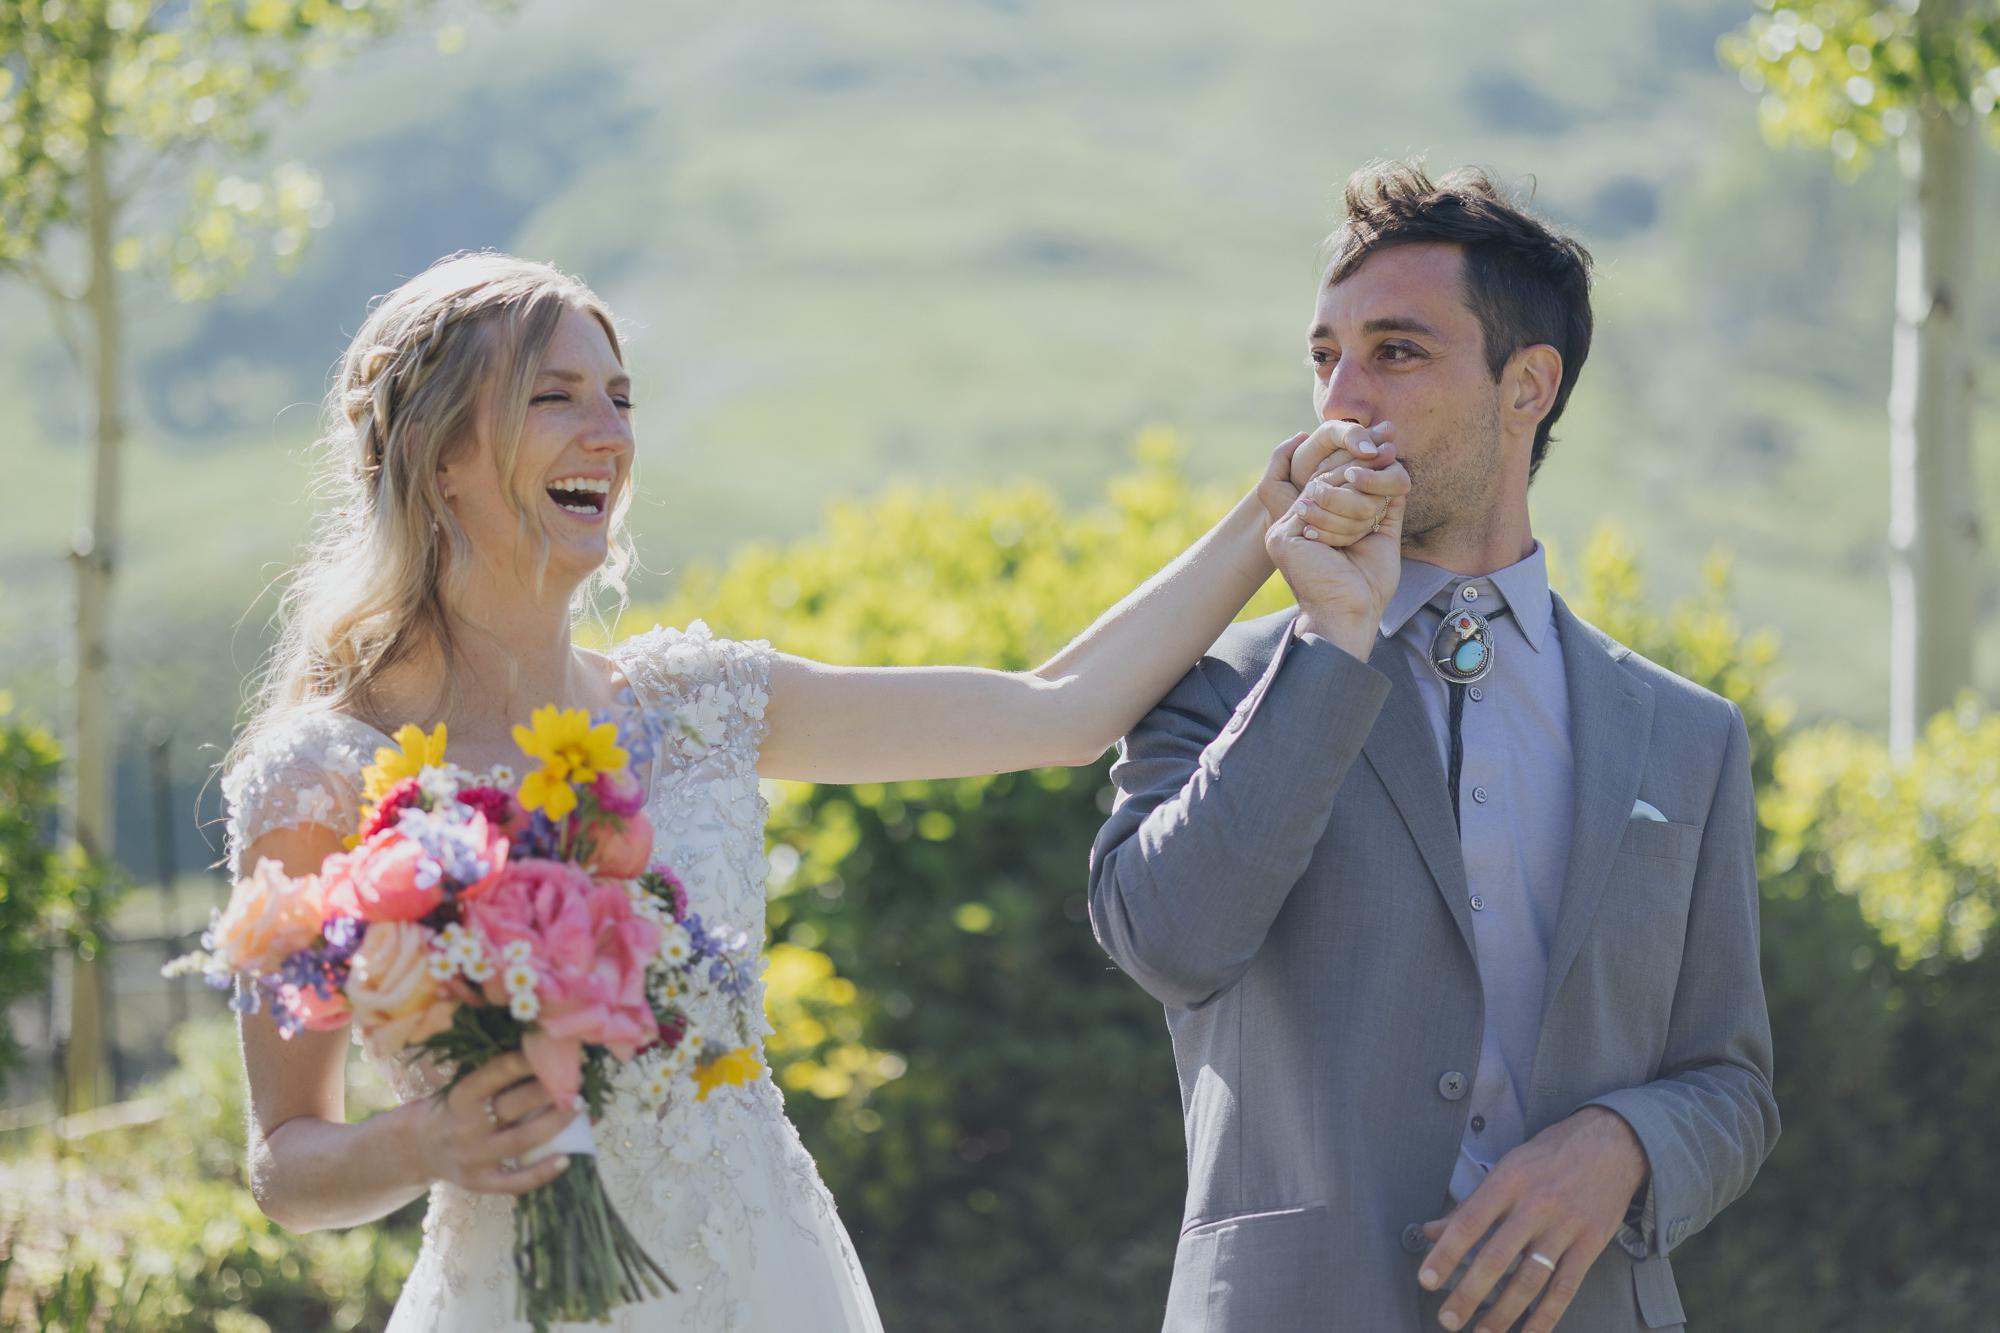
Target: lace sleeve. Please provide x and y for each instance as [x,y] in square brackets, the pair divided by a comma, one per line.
[718,687]
[307,772]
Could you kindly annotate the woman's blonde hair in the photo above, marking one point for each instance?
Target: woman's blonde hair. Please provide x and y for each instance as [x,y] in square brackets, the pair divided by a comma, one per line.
[386,556]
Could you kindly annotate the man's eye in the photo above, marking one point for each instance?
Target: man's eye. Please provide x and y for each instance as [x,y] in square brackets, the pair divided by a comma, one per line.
[1400,351]
[1319,356]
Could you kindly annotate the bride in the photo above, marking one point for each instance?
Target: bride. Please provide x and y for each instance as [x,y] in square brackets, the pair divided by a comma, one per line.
[480,448]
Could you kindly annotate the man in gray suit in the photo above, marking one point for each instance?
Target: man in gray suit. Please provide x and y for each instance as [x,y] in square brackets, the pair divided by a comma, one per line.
[1450,897]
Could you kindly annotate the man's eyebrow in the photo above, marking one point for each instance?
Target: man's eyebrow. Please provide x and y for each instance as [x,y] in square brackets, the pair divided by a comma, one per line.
[578,377]
[1382,324]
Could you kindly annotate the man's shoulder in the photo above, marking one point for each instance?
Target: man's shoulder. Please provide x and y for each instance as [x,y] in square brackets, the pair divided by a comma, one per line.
[1673,693]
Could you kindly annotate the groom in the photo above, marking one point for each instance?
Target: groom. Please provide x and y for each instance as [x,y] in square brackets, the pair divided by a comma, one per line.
[1449,896]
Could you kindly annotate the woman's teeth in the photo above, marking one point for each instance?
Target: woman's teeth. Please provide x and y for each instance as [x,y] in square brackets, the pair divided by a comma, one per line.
[561,492]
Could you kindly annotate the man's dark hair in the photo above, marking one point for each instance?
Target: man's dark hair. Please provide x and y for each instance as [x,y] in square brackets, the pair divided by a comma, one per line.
[1525,283]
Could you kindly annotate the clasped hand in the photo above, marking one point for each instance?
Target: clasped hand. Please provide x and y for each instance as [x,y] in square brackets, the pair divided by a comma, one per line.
[1335,499]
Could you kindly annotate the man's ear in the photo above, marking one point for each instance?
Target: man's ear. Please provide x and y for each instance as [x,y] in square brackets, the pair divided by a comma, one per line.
[1529,384]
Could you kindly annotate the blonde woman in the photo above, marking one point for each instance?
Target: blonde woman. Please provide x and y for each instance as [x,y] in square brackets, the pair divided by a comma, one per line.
[481,451]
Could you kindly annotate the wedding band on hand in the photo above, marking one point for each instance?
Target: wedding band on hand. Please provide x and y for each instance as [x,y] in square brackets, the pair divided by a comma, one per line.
[510,1164]
[492,1116]
[1536,1256]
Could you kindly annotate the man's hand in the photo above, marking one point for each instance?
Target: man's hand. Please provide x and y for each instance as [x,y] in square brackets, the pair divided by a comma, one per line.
[1339,541]
[1562,1194]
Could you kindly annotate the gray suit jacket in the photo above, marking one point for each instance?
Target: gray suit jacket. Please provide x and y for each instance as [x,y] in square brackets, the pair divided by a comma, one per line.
[1303,918]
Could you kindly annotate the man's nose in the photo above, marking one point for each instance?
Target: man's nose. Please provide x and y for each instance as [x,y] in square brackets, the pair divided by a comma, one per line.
[1347,397]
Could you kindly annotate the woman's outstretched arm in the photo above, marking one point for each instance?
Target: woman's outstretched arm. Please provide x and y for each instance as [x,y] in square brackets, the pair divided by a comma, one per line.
[881,724]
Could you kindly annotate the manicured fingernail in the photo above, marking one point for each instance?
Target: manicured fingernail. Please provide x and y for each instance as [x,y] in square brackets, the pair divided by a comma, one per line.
[1366,447]
[1450,1319]
[1353,474]
[1428,1278]
[562,1164]
[1312,534]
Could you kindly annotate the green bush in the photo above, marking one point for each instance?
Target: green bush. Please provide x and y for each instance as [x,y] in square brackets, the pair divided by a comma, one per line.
[50,899]
[153,1227]
[993,1105]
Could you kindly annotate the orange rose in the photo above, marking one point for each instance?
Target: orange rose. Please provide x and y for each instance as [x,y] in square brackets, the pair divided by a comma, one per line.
[394,997]
[623,847]
[270,917]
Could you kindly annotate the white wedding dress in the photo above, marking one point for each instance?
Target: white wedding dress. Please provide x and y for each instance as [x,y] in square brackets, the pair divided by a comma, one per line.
[720,1191]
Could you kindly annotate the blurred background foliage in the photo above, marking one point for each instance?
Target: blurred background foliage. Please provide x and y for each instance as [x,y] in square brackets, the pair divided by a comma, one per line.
[963,243]
[994,1106]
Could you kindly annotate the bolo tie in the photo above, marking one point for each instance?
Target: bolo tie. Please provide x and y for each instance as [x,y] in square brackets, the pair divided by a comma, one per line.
[1461,654]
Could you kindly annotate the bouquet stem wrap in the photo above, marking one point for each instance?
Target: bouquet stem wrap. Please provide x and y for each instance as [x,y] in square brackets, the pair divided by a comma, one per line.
[574,1257]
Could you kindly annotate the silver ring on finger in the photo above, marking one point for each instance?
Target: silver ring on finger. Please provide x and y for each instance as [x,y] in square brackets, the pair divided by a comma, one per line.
[492,1116]
[1537,1257]
[510,1164]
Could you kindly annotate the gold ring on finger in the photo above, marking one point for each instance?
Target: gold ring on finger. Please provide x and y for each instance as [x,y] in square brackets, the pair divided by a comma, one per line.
[1536,1256]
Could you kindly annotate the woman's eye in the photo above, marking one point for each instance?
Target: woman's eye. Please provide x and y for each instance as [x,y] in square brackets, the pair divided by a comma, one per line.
[622,404]
[553,396]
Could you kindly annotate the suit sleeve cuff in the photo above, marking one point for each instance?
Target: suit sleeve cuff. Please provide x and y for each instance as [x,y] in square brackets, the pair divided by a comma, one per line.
[1639,1236]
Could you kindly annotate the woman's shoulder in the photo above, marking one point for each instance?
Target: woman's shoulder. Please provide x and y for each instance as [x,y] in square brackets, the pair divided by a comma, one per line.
[673,662]
[716,688]
[304,768]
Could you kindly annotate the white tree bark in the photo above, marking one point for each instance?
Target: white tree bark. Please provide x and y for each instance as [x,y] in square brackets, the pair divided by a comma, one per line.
[1934,532]
[92,552]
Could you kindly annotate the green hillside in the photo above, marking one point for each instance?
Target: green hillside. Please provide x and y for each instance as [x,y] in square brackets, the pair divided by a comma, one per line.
[963,242]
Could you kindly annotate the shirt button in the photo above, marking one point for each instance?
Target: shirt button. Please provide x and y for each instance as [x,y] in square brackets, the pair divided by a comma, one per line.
[1478,1123]
[1478,903]
[1452,1086]
[1479,795]
[1476,693]
[1469,593]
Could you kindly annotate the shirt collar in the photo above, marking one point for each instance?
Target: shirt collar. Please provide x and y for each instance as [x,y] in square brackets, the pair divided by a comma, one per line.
[1524,584]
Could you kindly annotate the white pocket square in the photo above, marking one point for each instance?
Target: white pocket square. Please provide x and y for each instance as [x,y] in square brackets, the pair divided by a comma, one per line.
[1641,810]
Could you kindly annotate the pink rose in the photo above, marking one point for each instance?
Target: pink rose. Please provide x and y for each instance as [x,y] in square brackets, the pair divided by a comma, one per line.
[589,951]
[394,997]
[377,881]
[622,847]
[270,917]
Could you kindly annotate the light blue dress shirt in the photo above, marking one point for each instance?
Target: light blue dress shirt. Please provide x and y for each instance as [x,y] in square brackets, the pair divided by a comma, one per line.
[1516,800]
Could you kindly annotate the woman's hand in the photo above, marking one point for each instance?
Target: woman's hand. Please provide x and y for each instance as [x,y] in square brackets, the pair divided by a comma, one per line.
[1326,451]
[475,1136]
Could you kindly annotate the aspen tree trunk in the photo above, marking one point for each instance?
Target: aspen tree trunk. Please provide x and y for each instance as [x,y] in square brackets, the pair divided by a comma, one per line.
[1934,537]
[93,554]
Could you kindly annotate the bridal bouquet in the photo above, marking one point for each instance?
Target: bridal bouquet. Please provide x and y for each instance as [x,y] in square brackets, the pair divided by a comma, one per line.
[471,916]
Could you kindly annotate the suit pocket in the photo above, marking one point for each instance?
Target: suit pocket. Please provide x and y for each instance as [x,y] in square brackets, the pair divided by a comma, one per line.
[1653,837]
[1259,1272]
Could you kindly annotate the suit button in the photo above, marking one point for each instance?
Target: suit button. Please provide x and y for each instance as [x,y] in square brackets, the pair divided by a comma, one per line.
[1414,1239]
[1452,1086]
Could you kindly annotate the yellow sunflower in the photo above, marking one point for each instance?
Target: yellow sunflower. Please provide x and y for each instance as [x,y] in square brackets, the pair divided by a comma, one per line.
[571,751]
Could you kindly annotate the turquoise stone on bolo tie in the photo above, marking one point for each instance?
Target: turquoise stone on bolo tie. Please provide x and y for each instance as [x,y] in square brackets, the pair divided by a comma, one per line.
[1462,649]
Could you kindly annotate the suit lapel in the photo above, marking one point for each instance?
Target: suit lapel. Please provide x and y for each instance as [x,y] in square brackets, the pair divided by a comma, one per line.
[1402,749]
[1610,729]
